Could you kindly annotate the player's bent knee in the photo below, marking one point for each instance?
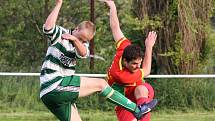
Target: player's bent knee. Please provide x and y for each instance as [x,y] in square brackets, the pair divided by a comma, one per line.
[141,91]
[102,84]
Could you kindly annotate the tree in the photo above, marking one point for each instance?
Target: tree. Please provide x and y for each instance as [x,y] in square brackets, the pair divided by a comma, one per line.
[182,37]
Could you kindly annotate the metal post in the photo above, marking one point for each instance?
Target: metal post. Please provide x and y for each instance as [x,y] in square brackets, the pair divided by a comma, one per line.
[92,18]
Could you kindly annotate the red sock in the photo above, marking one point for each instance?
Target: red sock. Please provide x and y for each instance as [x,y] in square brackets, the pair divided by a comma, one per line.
[142,100]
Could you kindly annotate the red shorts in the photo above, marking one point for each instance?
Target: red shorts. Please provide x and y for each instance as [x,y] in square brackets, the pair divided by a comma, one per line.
[124,115]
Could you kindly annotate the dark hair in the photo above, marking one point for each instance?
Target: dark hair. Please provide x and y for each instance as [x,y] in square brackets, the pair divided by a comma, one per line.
[132,52]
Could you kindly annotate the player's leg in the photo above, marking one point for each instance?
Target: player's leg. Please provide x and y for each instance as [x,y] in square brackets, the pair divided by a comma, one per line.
[150,90]
[141,94]
[74,114]
[147,117]
[61,109]
[60,100]
[124,115]
[91,85]
[141,91]
[144,93]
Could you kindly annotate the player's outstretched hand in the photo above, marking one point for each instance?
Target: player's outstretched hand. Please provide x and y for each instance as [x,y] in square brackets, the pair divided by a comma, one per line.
[59,1]
[109,3]
[150,40]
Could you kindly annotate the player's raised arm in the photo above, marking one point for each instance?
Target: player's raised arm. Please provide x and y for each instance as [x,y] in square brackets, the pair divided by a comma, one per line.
[149,43]
[114,21]
[52,18]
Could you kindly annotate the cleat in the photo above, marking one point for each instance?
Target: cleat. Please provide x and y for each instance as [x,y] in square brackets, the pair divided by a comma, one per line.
[145,108]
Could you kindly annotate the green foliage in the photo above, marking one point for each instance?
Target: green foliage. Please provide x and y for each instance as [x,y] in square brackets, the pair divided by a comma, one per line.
[23,45]
[185,93]
[22,93]
[208,63]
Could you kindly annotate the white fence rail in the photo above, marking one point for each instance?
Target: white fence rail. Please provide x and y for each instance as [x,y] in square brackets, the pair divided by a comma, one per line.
[104,75]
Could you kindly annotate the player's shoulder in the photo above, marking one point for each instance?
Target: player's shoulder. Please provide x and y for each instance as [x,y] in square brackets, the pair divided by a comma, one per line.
[121,41]
[63,29]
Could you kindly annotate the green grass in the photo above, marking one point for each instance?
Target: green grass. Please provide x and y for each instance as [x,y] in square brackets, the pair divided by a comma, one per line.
[188,116]
[109,116]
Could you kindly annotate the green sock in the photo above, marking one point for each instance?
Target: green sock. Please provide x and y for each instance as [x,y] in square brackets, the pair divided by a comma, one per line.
[117,98]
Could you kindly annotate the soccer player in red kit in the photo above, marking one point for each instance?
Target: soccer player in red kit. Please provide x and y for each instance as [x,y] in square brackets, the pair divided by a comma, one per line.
[125,74]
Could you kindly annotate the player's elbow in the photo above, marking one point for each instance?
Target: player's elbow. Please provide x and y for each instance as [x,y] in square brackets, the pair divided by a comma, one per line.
[83,54]
[47,27]
[146,73]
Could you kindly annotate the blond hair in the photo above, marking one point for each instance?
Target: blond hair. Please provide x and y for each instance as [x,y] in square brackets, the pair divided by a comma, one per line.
[89,26]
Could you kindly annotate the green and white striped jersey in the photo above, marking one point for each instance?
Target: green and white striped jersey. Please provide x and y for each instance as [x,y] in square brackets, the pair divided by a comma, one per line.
[60,60]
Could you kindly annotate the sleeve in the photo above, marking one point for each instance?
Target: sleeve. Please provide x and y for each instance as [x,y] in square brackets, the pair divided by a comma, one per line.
[88,51]
[125,77]
[122,43]
[54,34]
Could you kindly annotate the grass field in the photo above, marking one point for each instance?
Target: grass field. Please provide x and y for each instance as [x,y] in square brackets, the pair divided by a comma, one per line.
[109,116]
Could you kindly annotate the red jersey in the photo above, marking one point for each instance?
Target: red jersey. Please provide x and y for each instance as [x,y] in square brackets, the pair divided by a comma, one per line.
[120,75]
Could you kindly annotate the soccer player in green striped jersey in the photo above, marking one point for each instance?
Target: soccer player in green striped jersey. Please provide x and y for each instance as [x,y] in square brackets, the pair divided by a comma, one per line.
[59,88]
